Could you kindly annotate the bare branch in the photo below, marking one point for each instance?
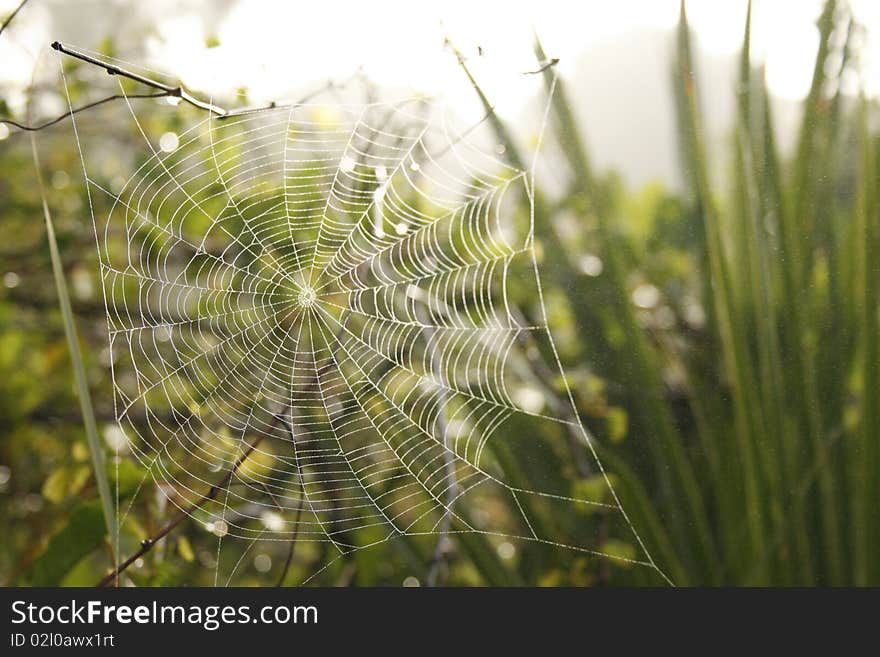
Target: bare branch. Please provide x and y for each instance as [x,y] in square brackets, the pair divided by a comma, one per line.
[548,64]
[440,554]
[148,543]
[299,507]
[163,91]
[77,110]
[177,92]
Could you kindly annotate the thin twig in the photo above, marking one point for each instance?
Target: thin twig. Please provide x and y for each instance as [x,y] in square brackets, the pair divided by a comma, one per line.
[148,543]
[77,110]
[302,486]
[545,377]
[163,91]
[549,64]
[177,92]
[12,15]
[440,554]
[299,507]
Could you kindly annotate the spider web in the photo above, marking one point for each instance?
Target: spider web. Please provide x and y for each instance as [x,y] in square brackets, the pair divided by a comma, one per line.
[321,301]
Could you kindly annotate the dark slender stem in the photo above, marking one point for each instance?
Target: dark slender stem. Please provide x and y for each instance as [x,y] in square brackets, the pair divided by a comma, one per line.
[59,119]
[163,91]
[178,92]
[548,64]
[148,543]
[302,486]
[439,556]
[11,16]
[544,374]
[296,519]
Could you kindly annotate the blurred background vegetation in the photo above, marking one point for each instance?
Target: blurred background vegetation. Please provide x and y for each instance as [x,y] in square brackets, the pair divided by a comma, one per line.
[720,339]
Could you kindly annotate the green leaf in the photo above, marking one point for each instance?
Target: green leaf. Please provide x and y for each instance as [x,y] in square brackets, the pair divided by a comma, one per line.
[185,549]
[64,482]
[125,477]
[82,534]
[618,424]
[55,487]
[593,489]
[621,553]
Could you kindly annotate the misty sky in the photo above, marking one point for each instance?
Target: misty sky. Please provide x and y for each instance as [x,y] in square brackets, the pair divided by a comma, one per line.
[279,49]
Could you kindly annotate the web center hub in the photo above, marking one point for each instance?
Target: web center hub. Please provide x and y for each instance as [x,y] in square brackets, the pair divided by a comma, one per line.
[306,297]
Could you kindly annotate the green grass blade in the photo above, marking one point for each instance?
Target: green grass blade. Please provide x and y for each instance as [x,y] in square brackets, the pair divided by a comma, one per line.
[79,371]
[693,524]
[732,337]
[774,205]
[865,527]
[636,500]
[798,238]
[759,306]
[679,482]
[804,174]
